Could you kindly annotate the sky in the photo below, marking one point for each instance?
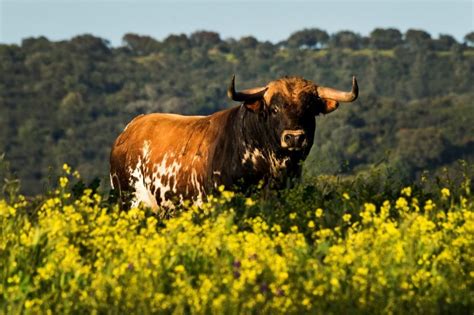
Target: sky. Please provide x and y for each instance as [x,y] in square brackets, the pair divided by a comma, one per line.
[263,19]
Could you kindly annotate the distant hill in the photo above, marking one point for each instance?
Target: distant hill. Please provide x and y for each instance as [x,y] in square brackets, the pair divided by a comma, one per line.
[66,101]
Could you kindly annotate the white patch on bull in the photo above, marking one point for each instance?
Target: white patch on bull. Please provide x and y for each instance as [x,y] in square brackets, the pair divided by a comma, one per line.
[162,175]
[160,180]
[218,173]
[276,164]
[140,184]
[252,156]
[197,188]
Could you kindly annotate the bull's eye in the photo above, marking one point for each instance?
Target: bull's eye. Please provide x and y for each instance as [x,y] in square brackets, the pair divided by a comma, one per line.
[274,110]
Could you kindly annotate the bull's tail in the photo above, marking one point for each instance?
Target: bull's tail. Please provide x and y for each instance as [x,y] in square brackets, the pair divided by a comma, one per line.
[117,188]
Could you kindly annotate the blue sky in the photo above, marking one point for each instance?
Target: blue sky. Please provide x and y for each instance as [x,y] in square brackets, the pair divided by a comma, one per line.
[264,19]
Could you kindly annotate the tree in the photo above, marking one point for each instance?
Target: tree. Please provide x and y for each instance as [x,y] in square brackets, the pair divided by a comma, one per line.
[345,39]
[418,39]
[308,38]
[385,38]
[88,43]
[248,42]
[175,44]
[444,42]
[469,39]
[36,44]
[205,39]
[140,45]
[420,147]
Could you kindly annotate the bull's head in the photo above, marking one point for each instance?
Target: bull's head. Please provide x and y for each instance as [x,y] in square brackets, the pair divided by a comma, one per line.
[289,105]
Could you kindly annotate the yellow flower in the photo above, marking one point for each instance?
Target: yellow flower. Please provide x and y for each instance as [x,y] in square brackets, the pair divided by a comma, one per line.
[405,286]
[369,207]
[12,211]
[445,193]
[276,228]
[179,269]
[406,191]
[63,182]
[13,279]
[282,275]
[228,195]
[429,205]
[29,304]
[66,168]
[401,204]
[46,272]
[346,196]
[249,202]
[205,263]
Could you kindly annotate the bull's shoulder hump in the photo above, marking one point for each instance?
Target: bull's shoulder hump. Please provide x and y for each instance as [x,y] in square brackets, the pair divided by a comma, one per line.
[173,117]
[180,125]
[158,120]
[159,117]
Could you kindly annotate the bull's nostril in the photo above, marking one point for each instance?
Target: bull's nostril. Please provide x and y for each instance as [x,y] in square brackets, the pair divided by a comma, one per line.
[294,140]
[301,139]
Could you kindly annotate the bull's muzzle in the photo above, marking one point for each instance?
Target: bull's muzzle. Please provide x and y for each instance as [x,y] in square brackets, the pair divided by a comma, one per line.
[293,140]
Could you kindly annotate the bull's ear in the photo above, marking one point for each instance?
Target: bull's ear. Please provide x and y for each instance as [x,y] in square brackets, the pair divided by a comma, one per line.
[329,106]
[255,106]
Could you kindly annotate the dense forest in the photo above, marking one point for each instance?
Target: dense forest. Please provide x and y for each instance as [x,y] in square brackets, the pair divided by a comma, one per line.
[66,101]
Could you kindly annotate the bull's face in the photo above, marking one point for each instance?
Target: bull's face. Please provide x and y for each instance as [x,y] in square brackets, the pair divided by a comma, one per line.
[291,106]
[288,107]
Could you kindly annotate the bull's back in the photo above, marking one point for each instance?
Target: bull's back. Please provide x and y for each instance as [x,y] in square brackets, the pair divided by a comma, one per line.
[159,157]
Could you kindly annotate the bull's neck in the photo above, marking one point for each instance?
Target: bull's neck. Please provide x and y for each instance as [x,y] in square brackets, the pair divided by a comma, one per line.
[255,132]
[243,132]
[246,151]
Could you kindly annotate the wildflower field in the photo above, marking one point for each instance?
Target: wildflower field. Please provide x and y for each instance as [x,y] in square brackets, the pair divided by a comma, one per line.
[367,244]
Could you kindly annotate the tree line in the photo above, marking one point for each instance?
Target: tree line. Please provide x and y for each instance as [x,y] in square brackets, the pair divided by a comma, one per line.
[66,101]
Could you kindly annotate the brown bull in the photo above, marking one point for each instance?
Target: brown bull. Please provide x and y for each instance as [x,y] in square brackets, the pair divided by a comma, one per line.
[160,159]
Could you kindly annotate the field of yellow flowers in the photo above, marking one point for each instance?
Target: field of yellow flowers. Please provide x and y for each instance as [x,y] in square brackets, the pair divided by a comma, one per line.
[323,247]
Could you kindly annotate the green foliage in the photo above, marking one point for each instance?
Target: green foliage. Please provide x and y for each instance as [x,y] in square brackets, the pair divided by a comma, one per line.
[308,38]
[418,39]
[385,38]
[469,39]
[346,39]
[9,185]
[68,100]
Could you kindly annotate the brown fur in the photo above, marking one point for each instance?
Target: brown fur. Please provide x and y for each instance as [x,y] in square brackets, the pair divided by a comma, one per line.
[291,88]
[189,144]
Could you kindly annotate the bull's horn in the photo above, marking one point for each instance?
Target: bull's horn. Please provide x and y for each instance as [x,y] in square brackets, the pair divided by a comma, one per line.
[244,95]
[339,96]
